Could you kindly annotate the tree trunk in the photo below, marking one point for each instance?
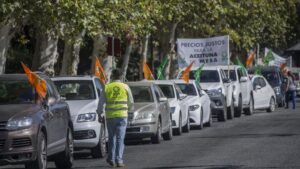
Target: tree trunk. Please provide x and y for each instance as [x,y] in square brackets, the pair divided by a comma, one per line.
[6,35]
[144,55]
[171,54]
[47,53]
[97,42]
[126,58]
[71,56]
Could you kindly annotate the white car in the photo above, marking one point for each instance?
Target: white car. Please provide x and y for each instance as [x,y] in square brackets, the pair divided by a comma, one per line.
[178,104]
[242,89]
[85,97]
[199,103]
[263,94]
[220,90]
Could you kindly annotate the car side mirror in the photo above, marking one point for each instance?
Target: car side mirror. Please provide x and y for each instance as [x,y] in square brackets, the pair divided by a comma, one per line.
[163,99]
[257,87]
[243,79]
[182,96]
[226,80]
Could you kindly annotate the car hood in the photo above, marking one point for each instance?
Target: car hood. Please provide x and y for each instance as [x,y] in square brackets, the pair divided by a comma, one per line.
[209,86]
[141,107]
[14,110]
[82,106]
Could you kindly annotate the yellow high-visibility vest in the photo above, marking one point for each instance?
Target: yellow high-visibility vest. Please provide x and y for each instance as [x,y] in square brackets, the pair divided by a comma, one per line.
[116,95]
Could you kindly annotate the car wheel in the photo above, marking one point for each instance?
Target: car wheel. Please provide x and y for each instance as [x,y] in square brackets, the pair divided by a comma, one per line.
[64,160]
[178,130]
[249,110]
[157,137]
[187,126]
[169,134]
[272,105]
[230,110]
[100,150]
[41,160]
[222,115]
[209,123]
[239,110]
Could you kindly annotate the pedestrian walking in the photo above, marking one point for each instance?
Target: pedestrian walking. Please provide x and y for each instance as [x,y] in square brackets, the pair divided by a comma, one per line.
[118,100]
[291,90]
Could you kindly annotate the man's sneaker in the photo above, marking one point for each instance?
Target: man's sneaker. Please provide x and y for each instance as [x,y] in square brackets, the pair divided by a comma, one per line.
[111,163]
[120,165]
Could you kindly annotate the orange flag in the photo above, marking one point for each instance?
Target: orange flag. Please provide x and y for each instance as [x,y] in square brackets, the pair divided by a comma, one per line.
[38,83]
[147,72]
[186,73]
[100,71]
[250,58]
[282,66]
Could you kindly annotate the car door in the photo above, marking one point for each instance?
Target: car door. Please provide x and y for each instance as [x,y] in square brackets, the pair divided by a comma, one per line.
[244,86]
[257,93]
[205,102]
[264,90]
[163,108]
[182,103]
[226,86]
[57,123]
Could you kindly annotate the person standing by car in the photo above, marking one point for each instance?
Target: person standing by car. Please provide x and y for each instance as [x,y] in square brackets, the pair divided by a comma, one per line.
[118,100]
[291,90]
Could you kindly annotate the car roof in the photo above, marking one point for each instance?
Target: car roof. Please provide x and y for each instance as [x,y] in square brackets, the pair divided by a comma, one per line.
[21,77]
[225,67]
[267,68]
[79,77]
[169,82]
[140,83]
[211,67]
[182,81]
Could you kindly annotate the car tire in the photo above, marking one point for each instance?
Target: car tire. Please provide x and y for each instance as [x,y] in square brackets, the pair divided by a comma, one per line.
[210,121]
[64,160]
[169,134]
[230,110]
[187,126]
[156,139]
[222,115]
[178,131]
[239,110]
[272,105]
[41,160]
[249,110]
[100,150]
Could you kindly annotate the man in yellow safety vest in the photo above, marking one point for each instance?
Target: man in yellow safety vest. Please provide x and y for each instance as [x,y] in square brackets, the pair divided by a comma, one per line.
[118,100]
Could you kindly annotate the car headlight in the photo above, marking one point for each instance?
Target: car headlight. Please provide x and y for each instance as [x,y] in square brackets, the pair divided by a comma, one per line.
[144,115]
[87,117]
[215,92]
[277,90]
[172,109]
[19,123]
[193,107]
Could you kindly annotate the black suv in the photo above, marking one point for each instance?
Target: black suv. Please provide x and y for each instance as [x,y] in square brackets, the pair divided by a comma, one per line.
[33,129]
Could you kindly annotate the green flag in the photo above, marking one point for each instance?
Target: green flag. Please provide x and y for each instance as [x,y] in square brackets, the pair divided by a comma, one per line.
[198,74]
[238,62]
[161,69]
[257,70]
[268,57]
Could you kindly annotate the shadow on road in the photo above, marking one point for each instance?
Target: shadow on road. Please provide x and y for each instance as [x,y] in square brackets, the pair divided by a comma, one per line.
[249,136]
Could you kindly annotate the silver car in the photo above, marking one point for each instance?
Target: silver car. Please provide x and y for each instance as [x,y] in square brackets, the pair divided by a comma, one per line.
[151,115]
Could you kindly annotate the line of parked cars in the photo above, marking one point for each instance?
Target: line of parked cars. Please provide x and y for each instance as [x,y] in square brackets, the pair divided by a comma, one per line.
[35,130]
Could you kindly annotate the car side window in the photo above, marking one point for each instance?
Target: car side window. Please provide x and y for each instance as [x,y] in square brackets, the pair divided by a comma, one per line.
[256,82]
[262,82]
[156,93]
[50,92]
[240,74]
[223,76]
[99,87]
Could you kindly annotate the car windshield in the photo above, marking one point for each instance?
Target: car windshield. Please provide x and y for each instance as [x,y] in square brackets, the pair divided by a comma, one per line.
[167,90]
[272,78]
[188,89]
[76,90]
[232,74]
[141,94]
[209,76]
[16,92]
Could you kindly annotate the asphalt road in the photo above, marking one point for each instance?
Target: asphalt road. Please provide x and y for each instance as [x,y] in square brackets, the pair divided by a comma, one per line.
[263,140]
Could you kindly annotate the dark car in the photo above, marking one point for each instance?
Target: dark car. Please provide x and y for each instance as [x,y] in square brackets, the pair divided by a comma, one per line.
[276,79]
[33,129]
